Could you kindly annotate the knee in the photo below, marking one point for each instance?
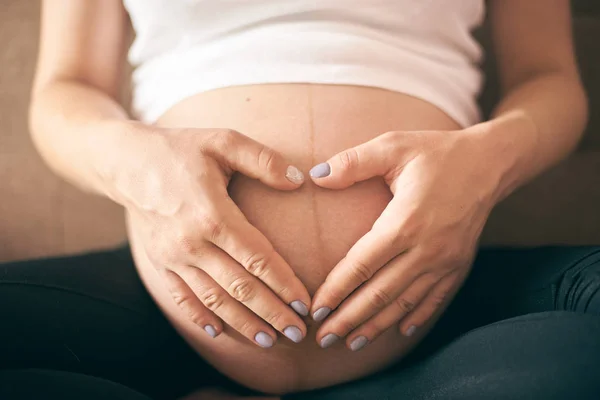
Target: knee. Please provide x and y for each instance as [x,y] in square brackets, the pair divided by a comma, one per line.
[554,355]
[550,382]
[579,287]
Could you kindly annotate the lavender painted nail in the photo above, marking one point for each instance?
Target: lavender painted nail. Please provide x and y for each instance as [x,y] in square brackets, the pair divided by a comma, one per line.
[263,339]
[358,343]
[293,333]
[299,307]
[320,170]
[328,340]
[411,330]
[210,330]
[321,314]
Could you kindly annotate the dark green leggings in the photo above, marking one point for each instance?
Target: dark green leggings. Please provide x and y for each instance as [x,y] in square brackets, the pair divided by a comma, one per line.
[526,325]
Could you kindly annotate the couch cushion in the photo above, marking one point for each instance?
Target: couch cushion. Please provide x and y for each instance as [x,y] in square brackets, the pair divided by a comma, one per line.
[39,213]
[563,205]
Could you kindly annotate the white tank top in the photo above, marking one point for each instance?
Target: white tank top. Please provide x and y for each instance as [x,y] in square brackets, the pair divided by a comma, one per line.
[422,48]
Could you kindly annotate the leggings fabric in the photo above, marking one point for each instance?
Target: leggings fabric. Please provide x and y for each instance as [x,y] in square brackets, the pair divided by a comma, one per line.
[525,325]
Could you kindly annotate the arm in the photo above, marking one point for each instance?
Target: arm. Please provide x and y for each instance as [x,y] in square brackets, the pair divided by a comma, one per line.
[543,110]
[76,86]
[408,267]
[172,182]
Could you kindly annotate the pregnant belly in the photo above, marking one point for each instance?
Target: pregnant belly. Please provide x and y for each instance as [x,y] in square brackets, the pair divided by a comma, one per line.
[312,228]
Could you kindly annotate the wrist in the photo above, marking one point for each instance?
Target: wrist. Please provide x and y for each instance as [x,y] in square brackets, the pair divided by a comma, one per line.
[508,145]
[119,151]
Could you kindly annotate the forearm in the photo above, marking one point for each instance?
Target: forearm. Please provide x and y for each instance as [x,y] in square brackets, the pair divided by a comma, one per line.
[80,132]
[537,124]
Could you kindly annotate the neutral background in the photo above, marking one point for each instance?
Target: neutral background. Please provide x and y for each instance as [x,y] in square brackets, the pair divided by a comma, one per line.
[41,215]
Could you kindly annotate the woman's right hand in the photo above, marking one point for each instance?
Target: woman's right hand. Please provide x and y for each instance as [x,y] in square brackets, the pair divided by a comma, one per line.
[217,266]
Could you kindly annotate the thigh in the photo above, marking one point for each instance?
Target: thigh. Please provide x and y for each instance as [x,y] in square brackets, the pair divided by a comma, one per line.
[552,355]
[517,304]
[47,384]
[91,314]
[509,282]
[506,283]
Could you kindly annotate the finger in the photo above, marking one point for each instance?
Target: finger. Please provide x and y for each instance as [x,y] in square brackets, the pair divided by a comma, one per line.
[375,295]
[241,153]
[251,249]
[248,290]
[370,159]
[369,254]
[400,307]
[436,301]
[232,312]
[189,303]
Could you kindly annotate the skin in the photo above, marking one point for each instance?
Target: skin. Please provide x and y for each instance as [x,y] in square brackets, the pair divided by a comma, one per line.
[86,136]
[184,218]
[311,227]
[419,251]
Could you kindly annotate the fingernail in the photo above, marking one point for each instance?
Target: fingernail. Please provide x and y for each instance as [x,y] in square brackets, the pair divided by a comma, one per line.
[358,343]
[210,330]
[263,339]
[294,175]
[411,330]
[299,307]
[328,340]
[320,170]
[321,313]
[293,333]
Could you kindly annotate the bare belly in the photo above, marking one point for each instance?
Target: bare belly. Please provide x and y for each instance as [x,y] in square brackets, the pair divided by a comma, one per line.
[312,228]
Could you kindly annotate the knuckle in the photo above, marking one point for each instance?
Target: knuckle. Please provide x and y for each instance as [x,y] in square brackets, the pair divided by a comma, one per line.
[390,139]
[213,228]
[377,326]
[160,252]
[195,316]
[361,271]
[183,242]
[181,299]
[185,303]
[334,296]
[242,289]
[410,228]
[404,305]
[401,238]
[438,299]
[455,255]
[435,251]
[283,292]
[274,318]
[267,159]
[257,264]
[379,298]
[442,249]
[348,159]
[215,142]
[345,326]
[212,299]
[389,135]
[225,139]
[159,256]
[246,328]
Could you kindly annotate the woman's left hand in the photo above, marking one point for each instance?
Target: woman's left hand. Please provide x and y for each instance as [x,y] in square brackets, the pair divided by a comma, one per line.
[419,251]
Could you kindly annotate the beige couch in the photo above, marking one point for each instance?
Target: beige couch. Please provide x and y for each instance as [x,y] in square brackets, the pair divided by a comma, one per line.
[41,215]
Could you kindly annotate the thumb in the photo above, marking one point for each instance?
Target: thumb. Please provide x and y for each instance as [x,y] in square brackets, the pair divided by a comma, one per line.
[353,165]
[251,158]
